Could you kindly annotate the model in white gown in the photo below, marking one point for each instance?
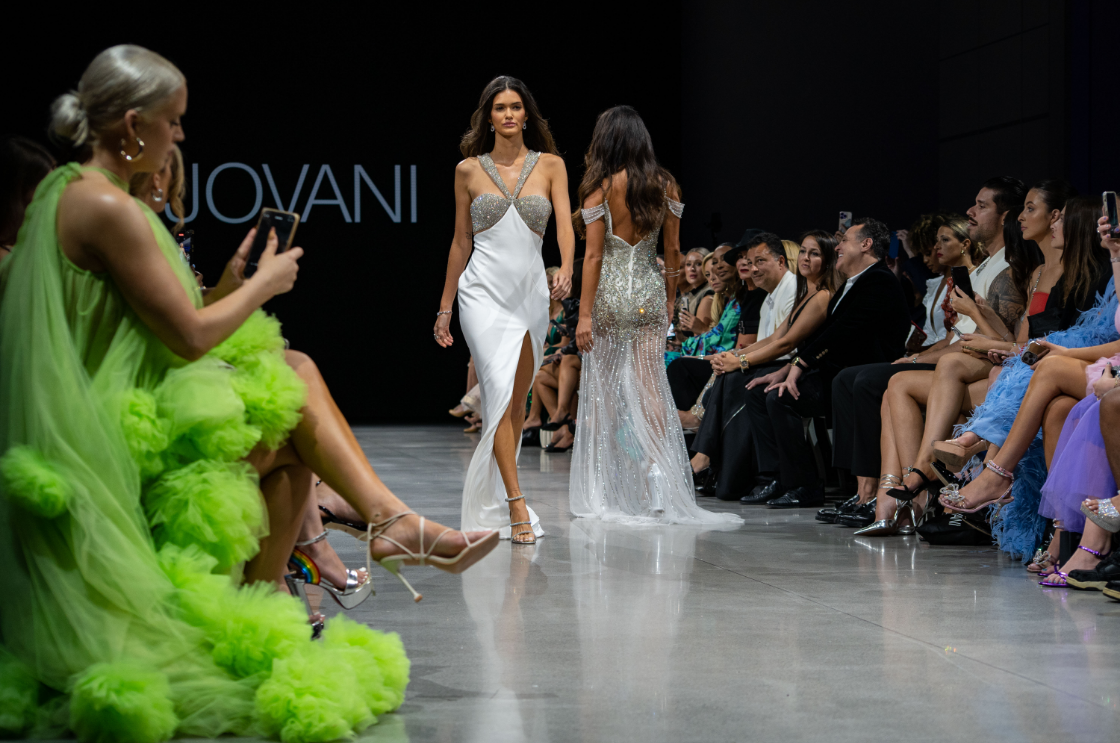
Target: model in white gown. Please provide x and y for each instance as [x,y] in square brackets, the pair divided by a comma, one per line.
[503,294]
[629,461]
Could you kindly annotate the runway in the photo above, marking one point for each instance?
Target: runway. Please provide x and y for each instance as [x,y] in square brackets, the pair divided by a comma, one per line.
[785,630]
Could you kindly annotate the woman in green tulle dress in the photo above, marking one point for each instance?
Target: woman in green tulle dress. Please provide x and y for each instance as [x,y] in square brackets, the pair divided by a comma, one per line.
[139,427]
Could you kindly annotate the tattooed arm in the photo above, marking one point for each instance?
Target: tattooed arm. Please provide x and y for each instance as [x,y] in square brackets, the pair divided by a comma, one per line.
[1000,316]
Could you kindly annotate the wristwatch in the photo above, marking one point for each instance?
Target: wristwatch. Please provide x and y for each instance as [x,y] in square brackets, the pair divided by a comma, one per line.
[743,363]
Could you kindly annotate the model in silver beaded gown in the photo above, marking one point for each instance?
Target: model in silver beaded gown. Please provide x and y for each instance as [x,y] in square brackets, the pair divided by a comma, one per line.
[629,461]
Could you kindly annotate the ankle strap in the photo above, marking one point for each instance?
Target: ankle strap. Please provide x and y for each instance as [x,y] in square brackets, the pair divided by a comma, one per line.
[511,500]
[999,470]
[1089,550]
[520,523]
[313,540]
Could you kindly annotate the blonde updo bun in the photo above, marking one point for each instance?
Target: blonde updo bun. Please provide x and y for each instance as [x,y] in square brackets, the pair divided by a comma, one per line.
[121,78]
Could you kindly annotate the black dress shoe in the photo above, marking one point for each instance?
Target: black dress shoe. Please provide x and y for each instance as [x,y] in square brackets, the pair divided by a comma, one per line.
[762,493]
[860,517]
[803,496]
[705,482]
[1096,579]
[829,515]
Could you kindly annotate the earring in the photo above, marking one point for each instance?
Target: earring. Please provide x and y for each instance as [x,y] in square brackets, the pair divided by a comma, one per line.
[962,251]
[139,153]
[491,127]
[524,125]
[157,198]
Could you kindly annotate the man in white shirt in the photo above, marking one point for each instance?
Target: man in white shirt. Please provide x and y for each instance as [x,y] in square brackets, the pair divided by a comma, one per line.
[770,273]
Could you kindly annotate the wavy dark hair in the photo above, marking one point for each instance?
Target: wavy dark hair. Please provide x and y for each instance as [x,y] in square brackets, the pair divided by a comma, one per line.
[622,142]
[1083,257]
[828,242]
[1022,256]
[479,139]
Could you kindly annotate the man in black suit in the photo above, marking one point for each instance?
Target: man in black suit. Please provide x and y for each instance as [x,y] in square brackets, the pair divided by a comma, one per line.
[867,322]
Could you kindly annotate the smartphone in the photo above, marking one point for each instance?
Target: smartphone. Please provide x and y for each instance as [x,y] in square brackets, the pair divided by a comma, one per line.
[845,221]
[1108,198]
[893,252]
[285,224]
[962,281]
[1036,348]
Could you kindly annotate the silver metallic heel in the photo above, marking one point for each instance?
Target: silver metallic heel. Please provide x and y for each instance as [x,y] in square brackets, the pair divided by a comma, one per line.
[305,571]
[521,523]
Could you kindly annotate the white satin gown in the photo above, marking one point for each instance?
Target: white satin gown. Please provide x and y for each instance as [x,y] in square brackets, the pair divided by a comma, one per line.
[629,461]
[503,294]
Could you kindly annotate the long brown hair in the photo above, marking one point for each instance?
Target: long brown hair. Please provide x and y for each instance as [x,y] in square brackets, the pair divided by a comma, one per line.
[479,139]
[827,242]
[622,142]
[1082,255]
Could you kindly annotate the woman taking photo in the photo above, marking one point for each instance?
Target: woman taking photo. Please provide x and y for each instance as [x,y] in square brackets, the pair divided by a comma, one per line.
[694,303]
[629,462]
[138,432]
[505,191]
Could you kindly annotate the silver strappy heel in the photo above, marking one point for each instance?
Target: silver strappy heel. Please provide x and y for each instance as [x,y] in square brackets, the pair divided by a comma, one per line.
[305,572]
[521,523]
[469,555]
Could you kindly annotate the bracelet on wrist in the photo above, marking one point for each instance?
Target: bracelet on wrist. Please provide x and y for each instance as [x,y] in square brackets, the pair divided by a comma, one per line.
[443,312]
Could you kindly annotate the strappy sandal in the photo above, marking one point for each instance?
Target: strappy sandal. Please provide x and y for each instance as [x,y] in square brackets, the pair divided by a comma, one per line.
[1043,560]
[469,555]
[512,536]
[305,572]
[356,529]
[1058,575]
[954,501]
[904,493]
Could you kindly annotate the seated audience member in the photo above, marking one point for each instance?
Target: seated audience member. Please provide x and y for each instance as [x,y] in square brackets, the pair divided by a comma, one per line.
[693,308]
[23,164]
[723,336]
[923,237]
[914,260]
[689,376]
[867,321]
[1093,472]
[857,391]
[1002,419]
[724,440]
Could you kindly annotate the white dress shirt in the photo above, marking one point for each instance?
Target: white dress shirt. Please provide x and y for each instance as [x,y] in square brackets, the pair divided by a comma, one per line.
[777,306]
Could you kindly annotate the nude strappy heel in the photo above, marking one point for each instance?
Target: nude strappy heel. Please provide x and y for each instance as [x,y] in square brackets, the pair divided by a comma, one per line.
[954,501]
[469,555]
[512,536]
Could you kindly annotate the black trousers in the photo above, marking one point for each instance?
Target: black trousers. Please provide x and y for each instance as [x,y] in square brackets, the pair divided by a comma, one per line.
[782,449]
[687,377]
[725,433]
[857,423]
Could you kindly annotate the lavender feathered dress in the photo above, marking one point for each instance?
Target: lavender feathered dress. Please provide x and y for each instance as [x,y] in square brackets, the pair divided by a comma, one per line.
[1080,467]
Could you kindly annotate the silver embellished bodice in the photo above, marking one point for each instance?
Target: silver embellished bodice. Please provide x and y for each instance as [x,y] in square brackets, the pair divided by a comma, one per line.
[489,208]
[631,294]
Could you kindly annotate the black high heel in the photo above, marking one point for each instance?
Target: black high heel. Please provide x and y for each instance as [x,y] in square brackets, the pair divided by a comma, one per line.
[557,425]
[907,495]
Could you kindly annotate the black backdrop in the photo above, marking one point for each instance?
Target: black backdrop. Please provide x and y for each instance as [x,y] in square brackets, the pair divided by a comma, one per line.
[773,115]
[375,89]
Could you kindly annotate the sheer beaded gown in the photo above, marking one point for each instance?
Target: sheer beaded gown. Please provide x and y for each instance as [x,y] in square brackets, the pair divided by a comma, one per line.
[503,294]
[629,462]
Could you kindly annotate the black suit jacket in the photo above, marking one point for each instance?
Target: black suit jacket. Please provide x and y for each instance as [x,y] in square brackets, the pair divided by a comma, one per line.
[870,326]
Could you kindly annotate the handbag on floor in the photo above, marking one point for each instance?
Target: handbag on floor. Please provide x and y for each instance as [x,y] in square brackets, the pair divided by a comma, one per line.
[954,529]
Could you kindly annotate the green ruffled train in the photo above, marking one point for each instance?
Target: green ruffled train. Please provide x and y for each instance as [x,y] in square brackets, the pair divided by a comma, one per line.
[126,512]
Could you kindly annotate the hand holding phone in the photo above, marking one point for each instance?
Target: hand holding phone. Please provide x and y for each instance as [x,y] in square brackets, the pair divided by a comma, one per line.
[1108,199]
[845,222]
[284,223]
[962,281]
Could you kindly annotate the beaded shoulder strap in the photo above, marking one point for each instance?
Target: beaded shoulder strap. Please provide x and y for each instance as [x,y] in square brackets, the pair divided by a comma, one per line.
[676,207]
[487,164]
[593,214]
[526,169]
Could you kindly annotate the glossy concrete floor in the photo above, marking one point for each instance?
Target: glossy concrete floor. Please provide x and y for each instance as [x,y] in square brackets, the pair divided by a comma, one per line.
[783,630]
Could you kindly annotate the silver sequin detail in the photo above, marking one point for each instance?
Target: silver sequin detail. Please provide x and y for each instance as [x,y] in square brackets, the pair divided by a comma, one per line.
[489,208]
[593,214]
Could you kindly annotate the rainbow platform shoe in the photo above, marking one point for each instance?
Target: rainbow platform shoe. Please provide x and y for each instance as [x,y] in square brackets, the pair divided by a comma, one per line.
[305,572]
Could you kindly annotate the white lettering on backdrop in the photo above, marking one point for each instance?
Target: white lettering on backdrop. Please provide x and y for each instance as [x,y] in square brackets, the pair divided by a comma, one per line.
[324,180]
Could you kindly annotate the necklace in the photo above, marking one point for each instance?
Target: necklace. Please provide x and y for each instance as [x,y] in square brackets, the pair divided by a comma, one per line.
[1030,301]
